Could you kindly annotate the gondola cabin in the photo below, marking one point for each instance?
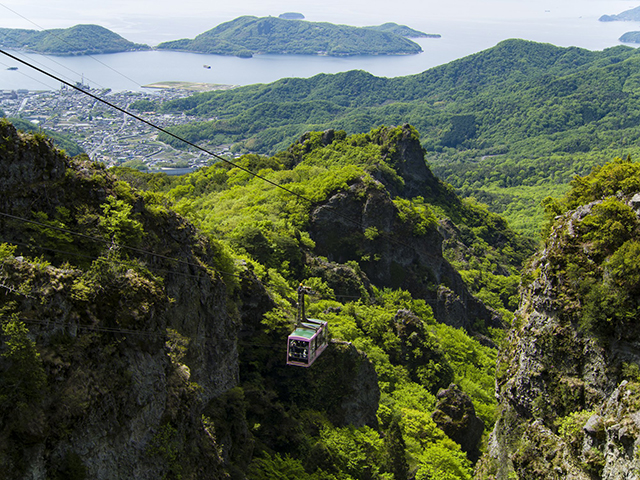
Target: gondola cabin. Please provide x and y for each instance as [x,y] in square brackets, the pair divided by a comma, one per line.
[307,342]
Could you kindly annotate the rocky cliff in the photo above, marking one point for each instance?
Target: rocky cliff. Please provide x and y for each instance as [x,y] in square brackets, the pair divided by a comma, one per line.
[567,380]
[102,313]
[394,248]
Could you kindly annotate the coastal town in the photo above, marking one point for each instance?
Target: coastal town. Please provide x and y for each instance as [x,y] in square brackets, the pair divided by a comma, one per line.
[106,134]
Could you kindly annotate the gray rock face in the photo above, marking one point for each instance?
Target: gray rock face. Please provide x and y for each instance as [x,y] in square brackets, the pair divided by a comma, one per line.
[566,411]
[457,418]
[408,161]
[359,392]
[396,257]
[132,362]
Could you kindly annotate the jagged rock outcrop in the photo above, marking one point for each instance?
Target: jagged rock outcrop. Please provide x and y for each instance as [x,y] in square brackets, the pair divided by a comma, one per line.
[456,416]
[345,385]
[567,381]
[407,158]
[363,224]
[344,279]
[35,177]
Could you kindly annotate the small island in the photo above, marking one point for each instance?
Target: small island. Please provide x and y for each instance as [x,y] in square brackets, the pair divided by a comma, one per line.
[632,15]
[247,36]
[291,16]
[76,40]
[403,31]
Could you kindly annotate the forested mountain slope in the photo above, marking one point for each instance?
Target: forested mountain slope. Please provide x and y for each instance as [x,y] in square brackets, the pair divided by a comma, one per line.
[508,125]
[386,181]
[134,344]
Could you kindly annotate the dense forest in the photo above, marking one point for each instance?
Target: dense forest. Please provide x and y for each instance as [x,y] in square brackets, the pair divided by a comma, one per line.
[247,35]
[507,126]
[76,40]
[405,390]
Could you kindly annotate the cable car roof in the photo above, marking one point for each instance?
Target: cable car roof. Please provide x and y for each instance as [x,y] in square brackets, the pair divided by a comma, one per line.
[303,332]
[308,329]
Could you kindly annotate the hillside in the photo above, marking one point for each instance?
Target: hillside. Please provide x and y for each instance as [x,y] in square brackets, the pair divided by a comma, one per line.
[246,36]
[568,377]
[507,126]
[76,40]
[137,343]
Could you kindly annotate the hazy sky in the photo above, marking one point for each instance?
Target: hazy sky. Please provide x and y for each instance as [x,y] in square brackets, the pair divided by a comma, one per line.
[151,21]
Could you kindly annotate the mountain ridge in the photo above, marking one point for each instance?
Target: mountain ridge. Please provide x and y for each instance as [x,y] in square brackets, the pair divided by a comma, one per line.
[518,107]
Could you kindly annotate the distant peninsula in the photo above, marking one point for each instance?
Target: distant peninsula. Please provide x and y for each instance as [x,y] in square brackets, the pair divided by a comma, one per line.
[632,15]
[630,37]
[403,31]
[76,40]
[248,35]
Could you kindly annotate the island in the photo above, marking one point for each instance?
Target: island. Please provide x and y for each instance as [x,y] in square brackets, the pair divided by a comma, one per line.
[246,36]
[632,15]
[76,40]
[403,31]
[291,16]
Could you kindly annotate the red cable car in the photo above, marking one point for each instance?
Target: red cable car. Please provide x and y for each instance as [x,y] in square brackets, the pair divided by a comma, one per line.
[310,337]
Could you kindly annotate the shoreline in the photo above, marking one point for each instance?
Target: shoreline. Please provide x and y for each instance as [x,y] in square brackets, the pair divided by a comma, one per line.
[190,86]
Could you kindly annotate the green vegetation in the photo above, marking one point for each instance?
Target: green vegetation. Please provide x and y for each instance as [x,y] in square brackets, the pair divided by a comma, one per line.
[255,243]
[296,426]
[402,30]
[598,269]
[630,37]
[507,126]
[247,35]
[144,105]
[259,219]
[76,40]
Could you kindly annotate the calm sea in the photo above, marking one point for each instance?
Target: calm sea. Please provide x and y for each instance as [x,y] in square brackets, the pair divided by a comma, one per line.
[568,23]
